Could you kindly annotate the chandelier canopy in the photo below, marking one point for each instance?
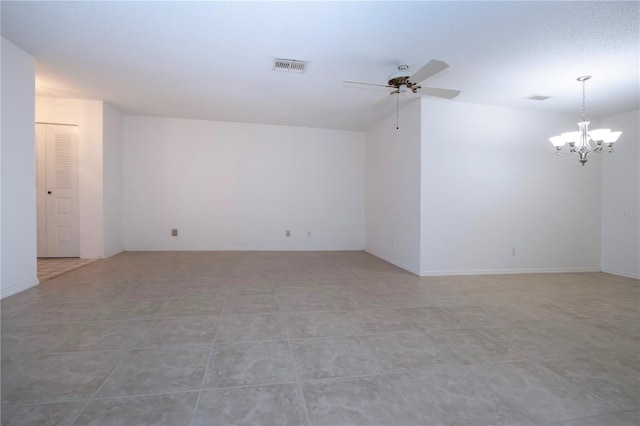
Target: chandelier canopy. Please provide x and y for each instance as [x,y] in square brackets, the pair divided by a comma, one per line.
[585,141]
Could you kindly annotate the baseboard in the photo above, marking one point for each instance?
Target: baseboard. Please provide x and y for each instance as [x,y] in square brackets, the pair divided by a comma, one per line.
[17,288]
[113,253]
[154,248]
[507,271]
[92,256]
[622,274]
[393,261]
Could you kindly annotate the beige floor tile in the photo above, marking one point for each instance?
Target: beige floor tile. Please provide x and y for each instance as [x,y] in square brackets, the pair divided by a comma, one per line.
[321,338]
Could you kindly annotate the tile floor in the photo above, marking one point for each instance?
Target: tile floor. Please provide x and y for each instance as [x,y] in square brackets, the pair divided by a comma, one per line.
[322,338]
[49,267]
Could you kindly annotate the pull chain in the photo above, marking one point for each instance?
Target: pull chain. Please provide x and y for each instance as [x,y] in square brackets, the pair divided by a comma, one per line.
[397,109]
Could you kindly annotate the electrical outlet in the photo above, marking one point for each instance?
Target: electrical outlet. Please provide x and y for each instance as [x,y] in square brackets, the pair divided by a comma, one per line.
[174,232]
[288,233]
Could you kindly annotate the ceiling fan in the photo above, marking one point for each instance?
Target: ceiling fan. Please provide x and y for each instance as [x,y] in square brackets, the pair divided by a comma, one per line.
[403,80]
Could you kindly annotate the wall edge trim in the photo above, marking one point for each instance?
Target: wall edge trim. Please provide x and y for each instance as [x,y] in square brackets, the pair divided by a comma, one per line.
[393,261]
[17,288]
[621,273]
[209,248]
[508,271]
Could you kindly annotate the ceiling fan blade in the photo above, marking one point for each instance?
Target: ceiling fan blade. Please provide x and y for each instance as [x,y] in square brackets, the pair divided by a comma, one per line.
[432,68]
[440,93]
[362,82]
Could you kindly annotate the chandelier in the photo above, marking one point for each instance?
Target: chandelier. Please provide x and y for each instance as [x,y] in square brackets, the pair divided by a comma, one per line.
[585,141]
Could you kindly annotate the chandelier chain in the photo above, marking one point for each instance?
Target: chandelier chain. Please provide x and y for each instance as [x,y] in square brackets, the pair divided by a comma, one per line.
[583,100]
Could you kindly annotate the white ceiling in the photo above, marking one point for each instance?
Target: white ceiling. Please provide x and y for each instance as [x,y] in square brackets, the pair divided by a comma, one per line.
[213,60]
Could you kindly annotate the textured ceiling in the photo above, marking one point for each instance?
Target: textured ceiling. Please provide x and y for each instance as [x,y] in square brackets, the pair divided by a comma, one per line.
[213,60]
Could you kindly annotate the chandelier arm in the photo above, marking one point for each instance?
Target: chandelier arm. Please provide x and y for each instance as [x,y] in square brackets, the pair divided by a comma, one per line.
[590,146]
[575,151]
[595,146]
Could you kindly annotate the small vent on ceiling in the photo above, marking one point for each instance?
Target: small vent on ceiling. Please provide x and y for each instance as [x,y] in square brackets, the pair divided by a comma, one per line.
[538,97]
[289,65]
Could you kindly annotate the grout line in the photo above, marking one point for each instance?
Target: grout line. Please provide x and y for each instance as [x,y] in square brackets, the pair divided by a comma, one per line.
[206,368]
[103,398]
[91,398]
[32,404]
[404,398]
[297,374]
[126,352]
[254,385]
[337,378]
[582,387]
[295,367]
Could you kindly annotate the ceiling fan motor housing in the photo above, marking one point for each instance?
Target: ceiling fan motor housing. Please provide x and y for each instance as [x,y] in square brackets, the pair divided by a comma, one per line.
[401,78]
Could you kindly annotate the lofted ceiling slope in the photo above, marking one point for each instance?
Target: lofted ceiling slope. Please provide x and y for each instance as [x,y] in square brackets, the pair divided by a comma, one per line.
[213,60]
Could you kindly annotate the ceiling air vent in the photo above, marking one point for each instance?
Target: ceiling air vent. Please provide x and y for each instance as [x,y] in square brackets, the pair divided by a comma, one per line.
[289,65]
[538,97]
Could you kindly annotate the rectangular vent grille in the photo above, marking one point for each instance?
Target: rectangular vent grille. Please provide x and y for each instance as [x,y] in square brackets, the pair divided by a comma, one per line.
[289,65]
[538,97]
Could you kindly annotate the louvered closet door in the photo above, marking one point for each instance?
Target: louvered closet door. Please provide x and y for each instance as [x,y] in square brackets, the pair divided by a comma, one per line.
[62,215]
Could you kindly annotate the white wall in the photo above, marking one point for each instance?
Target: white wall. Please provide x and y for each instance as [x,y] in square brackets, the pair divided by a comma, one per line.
[18,195]
[88,116]
[112,180]
[491,183]
[393,189]
[621,198]
[238,186]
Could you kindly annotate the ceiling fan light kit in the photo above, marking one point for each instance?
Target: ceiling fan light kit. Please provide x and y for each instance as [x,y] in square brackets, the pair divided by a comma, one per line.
[583,142]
